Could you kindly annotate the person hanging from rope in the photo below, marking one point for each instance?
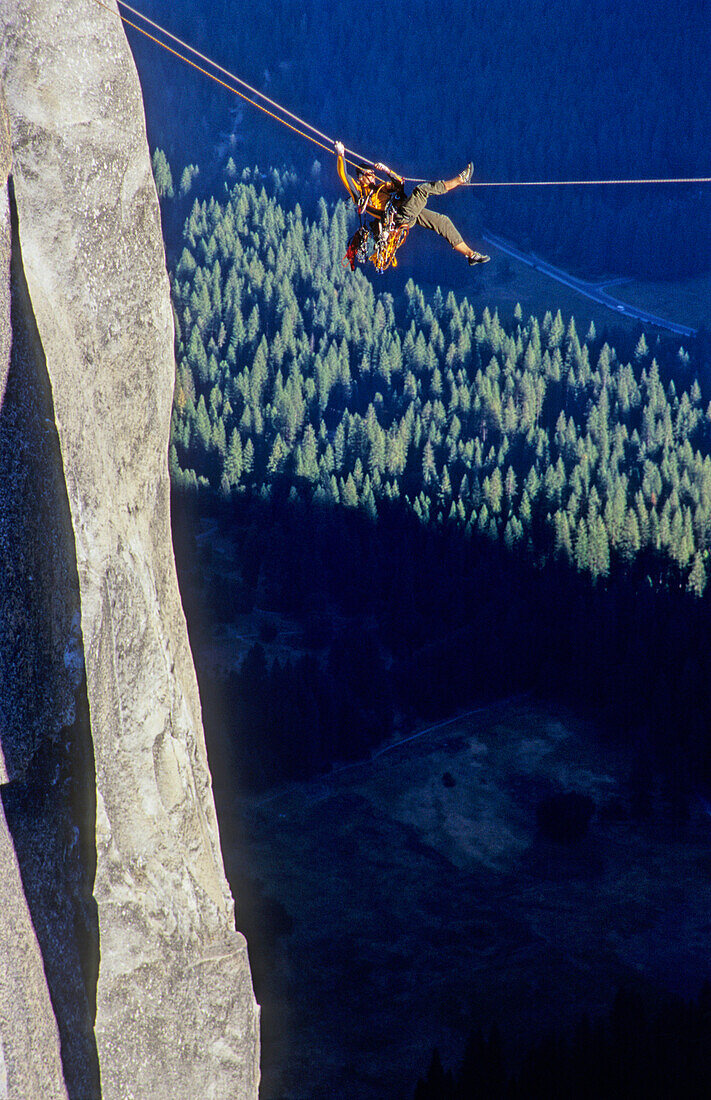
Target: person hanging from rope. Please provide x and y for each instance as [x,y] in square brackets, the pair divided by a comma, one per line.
[375,197]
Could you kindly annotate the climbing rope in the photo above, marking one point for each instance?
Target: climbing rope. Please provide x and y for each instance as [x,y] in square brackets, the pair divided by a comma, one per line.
[230,87]
[584,183]
[226,72]
[306,126]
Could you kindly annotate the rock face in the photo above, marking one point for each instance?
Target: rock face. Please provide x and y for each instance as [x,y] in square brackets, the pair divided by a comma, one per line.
[116,758]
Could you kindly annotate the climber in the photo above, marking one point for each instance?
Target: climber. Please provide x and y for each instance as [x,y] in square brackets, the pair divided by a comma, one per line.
[372,196]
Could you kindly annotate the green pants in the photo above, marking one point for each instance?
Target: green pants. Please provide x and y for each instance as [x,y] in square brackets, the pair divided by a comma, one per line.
[412,210]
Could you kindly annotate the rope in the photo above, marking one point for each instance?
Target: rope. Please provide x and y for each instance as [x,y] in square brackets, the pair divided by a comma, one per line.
[584,183]
[226,72]
[329,148]
[156,26]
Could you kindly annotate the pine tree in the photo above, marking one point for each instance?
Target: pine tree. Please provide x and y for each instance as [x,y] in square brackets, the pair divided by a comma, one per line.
[368,502]
[253,325]
[510,485]
[174,466]
[598,548]
[582,549]
[697,577]
[197,357]
[642,350]
[218,440]
[307,460]
[629,538]
[248,457]
[493,490]
[429,468]
[162,175]
[557,331]
[203,426]
[233,460]
[277,456]
[186,180]
[348,492]
[563,541]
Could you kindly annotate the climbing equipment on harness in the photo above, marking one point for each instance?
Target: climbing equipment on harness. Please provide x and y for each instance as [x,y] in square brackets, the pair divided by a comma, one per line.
[358,250]
[378,241]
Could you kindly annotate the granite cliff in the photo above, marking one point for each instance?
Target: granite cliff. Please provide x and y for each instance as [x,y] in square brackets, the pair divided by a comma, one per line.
[123,975]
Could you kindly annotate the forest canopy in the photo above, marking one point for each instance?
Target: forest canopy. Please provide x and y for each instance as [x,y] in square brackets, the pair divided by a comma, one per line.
[291,371]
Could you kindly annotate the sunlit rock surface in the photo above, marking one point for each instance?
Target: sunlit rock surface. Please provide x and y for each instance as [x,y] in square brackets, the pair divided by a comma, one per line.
[175,1011]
